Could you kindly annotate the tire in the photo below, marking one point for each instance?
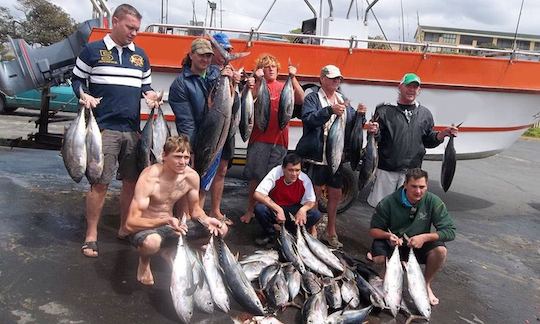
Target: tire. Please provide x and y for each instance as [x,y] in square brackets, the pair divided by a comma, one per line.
[3,108]
[349,191]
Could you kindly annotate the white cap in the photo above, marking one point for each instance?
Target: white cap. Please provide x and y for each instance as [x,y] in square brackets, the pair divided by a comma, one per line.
[331,72]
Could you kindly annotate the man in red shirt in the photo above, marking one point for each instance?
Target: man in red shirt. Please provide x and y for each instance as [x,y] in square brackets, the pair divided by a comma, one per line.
[267,148]
[285,190]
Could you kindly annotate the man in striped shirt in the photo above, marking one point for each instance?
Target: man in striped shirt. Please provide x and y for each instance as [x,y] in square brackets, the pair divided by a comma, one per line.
[111,76]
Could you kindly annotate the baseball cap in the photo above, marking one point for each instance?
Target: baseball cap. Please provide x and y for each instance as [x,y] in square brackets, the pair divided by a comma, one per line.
[201,46]
[331,72]
[223,40]
[409,78]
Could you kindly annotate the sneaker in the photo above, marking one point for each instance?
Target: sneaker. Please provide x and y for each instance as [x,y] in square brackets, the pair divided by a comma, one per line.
[332,241]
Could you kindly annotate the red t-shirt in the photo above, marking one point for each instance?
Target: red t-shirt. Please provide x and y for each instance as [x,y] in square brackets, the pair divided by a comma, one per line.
[287,195]
[273,134]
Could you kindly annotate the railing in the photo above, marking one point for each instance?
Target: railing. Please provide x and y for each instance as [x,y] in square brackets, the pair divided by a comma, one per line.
[352,41]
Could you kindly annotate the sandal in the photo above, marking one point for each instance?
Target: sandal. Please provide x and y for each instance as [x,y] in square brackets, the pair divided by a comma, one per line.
[226,220]
[90,245]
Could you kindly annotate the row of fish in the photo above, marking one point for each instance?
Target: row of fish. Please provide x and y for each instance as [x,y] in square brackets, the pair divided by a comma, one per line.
[82,148]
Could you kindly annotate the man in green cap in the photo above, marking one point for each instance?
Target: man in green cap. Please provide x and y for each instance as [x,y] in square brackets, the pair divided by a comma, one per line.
[405,131]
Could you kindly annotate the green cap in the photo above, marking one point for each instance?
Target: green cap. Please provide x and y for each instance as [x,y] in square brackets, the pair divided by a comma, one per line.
[409,78]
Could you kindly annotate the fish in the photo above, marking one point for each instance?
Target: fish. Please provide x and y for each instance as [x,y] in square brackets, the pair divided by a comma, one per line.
[254,268]
[277,290]
[309,259]
[261,255]
[267,274]
[393,282]
[315,309]
[350,293]
[349,316]
[332,293]
[94,150]
[286,103]
[322,251]
[238,284]
[357,141]
[294,280]
[226,55]
[416,284]
[74,147]
[160,133]
[335,143]
[246,113]
[369,293]
[448,168]
[214,278]
[214,129]
[370,159]
[262,106]
[144,146]
[235,117]
[311,283]
[289,250]
[202,295]
[182,285]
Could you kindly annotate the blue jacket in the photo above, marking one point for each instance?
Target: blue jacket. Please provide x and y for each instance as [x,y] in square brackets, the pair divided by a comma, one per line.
[314,116]
[188,96]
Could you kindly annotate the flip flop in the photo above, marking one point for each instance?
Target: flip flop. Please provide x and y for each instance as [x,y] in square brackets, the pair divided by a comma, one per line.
[90,245]
[226,220]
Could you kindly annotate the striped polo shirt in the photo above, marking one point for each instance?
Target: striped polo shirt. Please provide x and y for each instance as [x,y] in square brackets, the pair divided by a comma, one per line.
[118,75]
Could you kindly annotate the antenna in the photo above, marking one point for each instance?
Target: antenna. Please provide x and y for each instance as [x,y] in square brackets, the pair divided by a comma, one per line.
[517,25]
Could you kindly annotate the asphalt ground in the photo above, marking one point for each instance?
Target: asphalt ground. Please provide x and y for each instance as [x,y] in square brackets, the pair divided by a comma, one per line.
[492,274]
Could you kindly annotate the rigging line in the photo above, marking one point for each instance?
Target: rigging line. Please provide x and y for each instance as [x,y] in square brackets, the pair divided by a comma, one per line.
[517,25]
[377,20]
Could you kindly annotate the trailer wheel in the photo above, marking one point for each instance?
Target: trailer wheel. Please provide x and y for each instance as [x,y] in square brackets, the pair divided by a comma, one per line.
[349,191]
[3,108]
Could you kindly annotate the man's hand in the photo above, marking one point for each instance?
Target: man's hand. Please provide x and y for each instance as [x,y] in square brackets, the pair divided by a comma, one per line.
[292,70]
[395,240]
[216,226]
[450,131]
[417,241]
[372,127]
[259,73]
[362,109]
[177,226]
[300,217]
[88,101]
[153,100]
[338,109]
[280,215]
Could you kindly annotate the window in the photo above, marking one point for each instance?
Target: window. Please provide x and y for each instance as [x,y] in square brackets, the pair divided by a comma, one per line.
[504,43]
[537,46]
[466,40]
[523,45]
[449,38]
[431,37]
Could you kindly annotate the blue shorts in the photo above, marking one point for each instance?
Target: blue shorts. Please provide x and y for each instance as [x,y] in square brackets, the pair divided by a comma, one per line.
[206,180]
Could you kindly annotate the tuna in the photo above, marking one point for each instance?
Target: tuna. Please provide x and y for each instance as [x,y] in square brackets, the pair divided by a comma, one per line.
[416,285]
[332,293]
[182,285]
[315,309]
[213,277]
[393,282]
[160,133]
[357,141]
[246,113]
[288,249]
[144,147]
[310,260]
[277,290]
[311,283]
[267,274]
[202,295]
[214,129]
[448,167]
[350,293]
[294,280]
[370,159]
[94,150]
[369,293]
[253,269]
[74,147]
[262,106]
[286,103]
[322,251]
[335,143]
[349,316]
[237,282]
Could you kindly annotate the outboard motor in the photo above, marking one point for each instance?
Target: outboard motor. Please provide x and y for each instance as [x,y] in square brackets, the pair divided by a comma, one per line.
[34,67]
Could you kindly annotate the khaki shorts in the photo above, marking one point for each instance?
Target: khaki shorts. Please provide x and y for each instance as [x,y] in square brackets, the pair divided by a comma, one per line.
[386,182]
[120,153]
[261,158]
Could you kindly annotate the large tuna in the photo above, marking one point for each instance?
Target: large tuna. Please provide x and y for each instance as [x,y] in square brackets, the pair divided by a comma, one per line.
[448,167]
[335,143]
[349,316]
[94,150]
[182,285]
[416,285]
[144,146]
[286,103]
[393,282]
[160,133]
[246,113]
[214,129]
[213,276]
[370,159]
[309,259]
[262,106]
[357,141]
[289,250]
[74,147]
[238,284]
[322,251]
[315,309]
[202,295]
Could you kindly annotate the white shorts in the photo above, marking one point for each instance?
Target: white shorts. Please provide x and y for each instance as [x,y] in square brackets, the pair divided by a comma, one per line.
[386,183]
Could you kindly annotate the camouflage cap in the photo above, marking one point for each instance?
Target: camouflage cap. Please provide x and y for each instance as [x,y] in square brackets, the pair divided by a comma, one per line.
[201,46]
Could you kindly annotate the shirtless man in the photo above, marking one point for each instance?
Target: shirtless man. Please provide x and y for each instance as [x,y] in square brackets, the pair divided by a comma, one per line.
[150,220]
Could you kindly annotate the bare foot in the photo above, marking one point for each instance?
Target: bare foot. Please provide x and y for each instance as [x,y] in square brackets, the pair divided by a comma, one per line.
[144,274]
[433,300]
[246,218]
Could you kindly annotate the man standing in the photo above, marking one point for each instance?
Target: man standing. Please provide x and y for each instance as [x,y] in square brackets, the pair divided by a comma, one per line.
[405,131]
[266,149]
[150,219]
[285,190]
[411,211]
[113,75]
[321,108]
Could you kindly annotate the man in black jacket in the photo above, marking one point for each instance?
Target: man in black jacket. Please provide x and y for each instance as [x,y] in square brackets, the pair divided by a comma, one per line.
[405,131]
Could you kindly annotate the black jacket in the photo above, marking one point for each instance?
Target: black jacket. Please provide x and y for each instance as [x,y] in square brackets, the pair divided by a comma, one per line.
[401,143]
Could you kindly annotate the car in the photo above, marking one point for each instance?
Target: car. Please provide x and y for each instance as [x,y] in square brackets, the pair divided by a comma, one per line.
[62,99]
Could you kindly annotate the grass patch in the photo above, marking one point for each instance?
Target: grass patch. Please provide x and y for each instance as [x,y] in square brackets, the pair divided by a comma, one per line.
[533,132]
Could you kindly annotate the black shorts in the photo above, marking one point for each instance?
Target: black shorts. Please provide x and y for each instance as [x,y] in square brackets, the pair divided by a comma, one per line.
[322,175]
[382,247]
[167,234]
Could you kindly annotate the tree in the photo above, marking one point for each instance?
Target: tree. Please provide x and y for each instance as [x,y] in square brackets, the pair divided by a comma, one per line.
[7,25]
[378,45]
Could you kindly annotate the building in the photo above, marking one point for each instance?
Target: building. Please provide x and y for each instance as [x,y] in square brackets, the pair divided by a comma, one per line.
[468,38]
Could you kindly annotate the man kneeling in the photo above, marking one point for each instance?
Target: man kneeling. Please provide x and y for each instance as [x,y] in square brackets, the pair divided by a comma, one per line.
[285,190]
[150,220]
[411,210]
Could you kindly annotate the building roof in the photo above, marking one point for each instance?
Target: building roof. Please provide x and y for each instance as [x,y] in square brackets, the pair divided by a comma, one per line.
[476,32]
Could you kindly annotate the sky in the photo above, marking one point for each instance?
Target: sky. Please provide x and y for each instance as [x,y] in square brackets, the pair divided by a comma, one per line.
[493,15]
